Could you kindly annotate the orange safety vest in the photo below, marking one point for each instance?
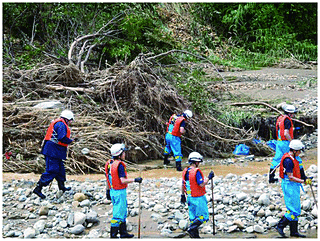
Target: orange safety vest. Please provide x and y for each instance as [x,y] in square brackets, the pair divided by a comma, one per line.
[184,179]
[280,124]
[116,182]
[296,167]
[176,121]
[172,119]
[196,190]
[50,130]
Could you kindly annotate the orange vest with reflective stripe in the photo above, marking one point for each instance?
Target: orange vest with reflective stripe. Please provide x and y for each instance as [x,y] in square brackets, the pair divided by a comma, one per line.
[280,124]
[196,190]
[50,130]
[116,182]
[296,167]
[176,127]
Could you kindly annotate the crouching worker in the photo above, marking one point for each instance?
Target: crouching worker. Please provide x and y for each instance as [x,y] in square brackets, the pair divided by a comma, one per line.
[193,184]
[292,175]
[117,183]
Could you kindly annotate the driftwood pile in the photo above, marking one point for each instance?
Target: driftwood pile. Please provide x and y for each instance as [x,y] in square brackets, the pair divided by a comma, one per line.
[124,103]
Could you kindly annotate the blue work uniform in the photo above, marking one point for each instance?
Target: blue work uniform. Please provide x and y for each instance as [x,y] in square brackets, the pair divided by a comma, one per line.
[198,207]
[119,200]
[173,143]
[291,190]
[282,146]
[55,154]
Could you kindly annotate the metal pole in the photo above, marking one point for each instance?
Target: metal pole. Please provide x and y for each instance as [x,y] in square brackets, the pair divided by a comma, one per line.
[275,169]
[139,225]
[213,228]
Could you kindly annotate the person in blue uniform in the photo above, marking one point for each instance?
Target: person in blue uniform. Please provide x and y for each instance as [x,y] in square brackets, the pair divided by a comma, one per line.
[117,182]
[284,132]
[54,150]
[193,184]
[292,174]
[175,128]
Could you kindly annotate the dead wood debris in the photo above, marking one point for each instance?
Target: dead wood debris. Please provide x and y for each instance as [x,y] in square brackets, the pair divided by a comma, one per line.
[124,103]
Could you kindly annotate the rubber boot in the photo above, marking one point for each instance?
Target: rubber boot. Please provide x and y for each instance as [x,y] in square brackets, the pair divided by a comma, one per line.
[123,231]
[62,187]
[38,189]
[294,230]
[178,166]
[193,229]
[166,160]
[281,225]
[271,176]
[113,232]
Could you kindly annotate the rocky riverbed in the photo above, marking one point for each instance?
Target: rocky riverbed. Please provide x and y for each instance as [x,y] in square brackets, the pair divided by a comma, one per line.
[244,206]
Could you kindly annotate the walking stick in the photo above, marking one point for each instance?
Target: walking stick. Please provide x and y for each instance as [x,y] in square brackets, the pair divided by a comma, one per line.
[314,197]
[275,169]
[213,228]
[139,225]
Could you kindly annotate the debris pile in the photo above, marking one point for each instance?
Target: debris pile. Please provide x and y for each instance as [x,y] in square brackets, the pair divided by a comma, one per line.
[124,103]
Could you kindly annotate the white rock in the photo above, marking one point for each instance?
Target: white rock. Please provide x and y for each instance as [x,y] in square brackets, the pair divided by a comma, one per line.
[241,196]
[178,215]
[232,228]
[79,218]
[29,233]
[313,168]
[92,217]
[183,224]
[264,199]
[258,229]
[271,221]
[85,203]
[63,224]
[306,204]
[249,229]
[93,234]
[219,217]
[158,207]
[39,226]
[79,228]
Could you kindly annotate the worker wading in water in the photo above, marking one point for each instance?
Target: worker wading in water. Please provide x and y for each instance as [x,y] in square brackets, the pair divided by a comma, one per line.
[193,184]
[175,128]
[54,150]
[284,132]
[117,182]
[292,174]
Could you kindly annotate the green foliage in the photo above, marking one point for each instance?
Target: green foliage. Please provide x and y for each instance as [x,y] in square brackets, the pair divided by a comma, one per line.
[233,118]
[244,35]
[195,91]
[275,29]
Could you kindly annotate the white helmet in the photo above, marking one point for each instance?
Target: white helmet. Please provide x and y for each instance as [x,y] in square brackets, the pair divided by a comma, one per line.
[188,113]
[117,149]
[296,145]
[195,157]
[67,114]
[289,109]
